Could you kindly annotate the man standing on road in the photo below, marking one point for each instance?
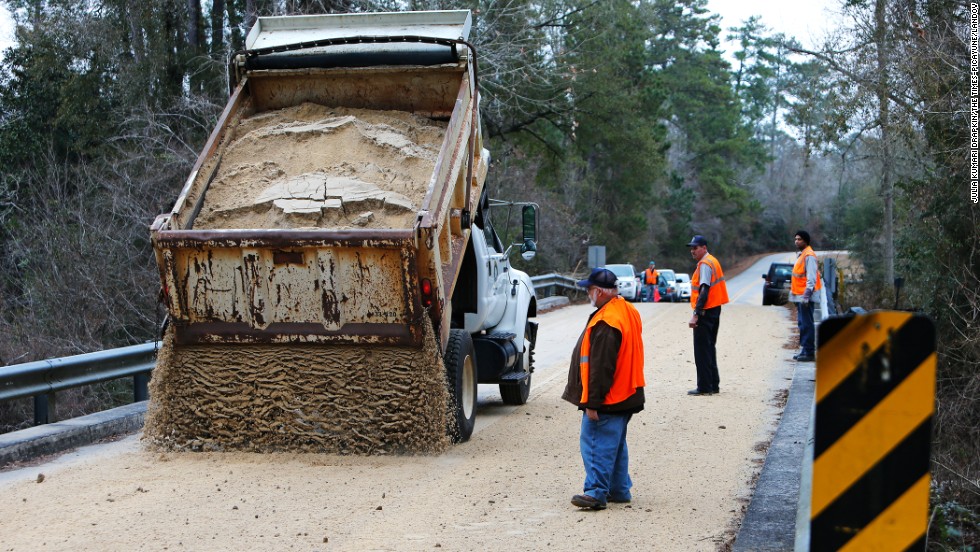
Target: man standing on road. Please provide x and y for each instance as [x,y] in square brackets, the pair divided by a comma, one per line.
[650,281]
[708,294]
[805,288]
[605,380]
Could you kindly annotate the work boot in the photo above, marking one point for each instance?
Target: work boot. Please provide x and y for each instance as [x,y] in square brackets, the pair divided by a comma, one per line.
[586,501]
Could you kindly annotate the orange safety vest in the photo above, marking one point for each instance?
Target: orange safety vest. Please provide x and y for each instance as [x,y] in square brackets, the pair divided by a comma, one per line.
[651,277]
[629,362]
[798,281]
[717,290]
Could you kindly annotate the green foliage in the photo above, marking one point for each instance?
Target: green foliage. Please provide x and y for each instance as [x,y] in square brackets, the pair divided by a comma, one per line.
[937,228]
[862,210]
[954,525]
[759,76]
[617,137]
[714,146]
[817,108]
[83,176]
[58,96]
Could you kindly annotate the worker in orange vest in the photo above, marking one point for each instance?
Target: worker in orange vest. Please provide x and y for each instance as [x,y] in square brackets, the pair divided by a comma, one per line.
[650,281]
[804,290]
[605,381]
[708,293]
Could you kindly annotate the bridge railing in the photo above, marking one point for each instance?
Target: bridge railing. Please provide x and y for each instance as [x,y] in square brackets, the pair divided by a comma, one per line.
[42,379]
[548,285]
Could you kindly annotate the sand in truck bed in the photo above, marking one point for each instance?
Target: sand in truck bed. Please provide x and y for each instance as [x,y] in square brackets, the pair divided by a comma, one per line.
[311,166]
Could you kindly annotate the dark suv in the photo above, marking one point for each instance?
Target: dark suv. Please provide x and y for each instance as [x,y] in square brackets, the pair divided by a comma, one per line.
[776,289]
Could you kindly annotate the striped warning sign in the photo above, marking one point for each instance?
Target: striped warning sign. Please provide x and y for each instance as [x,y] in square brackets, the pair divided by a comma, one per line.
[875,392]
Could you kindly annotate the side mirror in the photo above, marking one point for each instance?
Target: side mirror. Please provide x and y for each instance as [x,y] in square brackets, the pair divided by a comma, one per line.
[529,231]
[529,223]
[528,249]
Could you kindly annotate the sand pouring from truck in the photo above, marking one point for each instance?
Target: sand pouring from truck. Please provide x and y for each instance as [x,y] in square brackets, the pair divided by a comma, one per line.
[332,278]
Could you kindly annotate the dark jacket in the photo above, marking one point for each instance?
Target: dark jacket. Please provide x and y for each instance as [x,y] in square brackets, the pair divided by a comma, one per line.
[604,348]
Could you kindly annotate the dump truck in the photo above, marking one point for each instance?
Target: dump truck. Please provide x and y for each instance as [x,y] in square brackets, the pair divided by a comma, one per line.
[331,276]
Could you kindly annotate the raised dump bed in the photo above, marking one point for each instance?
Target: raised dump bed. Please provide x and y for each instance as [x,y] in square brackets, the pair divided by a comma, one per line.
[318,267]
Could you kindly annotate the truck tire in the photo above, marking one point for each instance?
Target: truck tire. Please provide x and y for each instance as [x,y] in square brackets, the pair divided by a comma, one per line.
[461,380]
[517,393]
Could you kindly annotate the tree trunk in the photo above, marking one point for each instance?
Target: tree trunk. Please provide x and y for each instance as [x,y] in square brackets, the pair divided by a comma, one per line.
[195,46]
[217,48]
[234,13]
[777,94]
[135,32]
[884,119]
[194,26]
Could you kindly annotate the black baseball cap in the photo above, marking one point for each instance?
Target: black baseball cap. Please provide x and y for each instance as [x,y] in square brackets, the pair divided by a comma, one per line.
[698,240]
[600,277]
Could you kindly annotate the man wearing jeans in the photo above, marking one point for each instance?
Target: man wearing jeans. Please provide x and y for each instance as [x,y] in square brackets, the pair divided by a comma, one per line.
[805,288]
[605,381]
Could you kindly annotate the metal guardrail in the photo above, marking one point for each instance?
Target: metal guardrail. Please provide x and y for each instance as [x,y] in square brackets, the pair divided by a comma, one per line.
[547,285]
[43,378]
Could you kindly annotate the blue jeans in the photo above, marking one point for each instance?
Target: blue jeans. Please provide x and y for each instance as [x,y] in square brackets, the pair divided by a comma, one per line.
[605,456]
[804,320]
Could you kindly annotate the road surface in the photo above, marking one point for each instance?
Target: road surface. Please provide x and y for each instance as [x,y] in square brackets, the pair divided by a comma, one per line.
[693,461]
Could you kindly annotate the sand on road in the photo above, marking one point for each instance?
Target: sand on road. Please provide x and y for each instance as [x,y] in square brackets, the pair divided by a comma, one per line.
[693,462]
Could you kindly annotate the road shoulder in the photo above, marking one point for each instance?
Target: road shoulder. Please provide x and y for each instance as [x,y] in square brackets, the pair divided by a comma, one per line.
[771,520]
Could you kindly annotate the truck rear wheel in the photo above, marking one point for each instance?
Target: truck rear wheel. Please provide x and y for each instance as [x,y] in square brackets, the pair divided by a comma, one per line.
[517,393]
[461,380]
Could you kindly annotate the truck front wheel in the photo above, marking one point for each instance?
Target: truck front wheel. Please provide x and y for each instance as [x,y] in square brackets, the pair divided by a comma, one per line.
[461,380]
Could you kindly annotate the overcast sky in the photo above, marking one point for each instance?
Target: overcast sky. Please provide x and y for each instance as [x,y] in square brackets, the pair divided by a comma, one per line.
[806,20]
[6,27]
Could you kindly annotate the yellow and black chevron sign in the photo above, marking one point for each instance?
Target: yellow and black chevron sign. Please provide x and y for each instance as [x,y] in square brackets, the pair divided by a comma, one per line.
[875,395]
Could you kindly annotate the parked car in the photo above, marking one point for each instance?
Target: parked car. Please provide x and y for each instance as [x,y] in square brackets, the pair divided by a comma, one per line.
[667,284]
[684,287]
[775,290]
[626,280]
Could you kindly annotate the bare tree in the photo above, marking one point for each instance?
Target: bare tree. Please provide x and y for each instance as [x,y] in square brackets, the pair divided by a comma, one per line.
[882,44]
[864,57]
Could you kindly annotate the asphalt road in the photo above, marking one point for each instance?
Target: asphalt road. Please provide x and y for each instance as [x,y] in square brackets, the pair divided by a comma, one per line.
[746,288]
